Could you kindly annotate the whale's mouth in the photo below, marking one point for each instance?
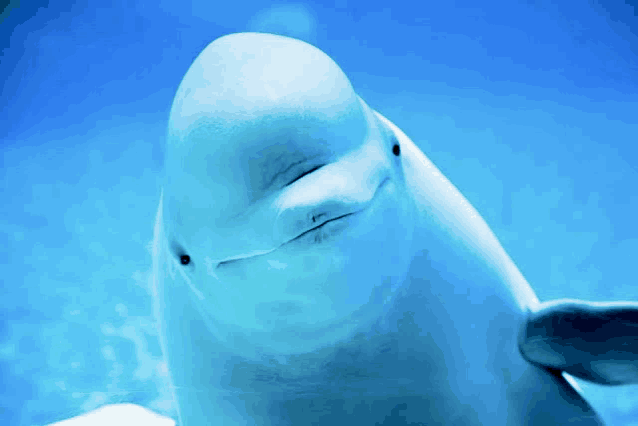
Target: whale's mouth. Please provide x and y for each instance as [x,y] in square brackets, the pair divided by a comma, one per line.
[298,237]
[325,223]
[334,219]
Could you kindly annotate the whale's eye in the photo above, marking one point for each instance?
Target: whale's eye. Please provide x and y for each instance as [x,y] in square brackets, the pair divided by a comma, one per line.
[185,259]
[396,150]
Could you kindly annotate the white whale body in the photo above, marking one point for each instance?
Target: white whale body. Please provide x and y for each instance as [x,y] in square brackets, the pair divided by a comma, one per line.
[313,267]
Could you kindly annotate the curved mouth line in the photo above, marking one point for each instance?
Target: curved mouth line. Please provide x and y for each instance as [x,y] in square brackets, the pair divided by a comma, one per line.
[320,226]
[226,262]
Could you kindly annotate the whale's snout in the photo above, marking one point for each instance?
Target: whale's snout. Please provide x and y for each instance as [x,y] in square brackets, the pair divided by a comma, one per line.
[325,196]
[317,206]
[320,203]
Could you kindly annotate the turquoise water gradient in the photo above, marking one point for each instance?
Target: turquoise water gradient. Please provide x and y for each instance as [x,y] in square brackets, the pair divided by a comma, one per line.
[531,110]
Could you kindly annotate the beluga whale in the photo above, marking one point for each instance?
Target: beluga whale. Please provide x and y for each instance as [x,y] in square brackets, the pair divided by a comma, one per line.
[312,266]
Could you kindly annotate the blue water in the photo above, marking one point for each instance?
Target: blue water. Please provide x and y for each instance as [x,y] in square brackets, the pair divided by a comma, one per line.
[531,110]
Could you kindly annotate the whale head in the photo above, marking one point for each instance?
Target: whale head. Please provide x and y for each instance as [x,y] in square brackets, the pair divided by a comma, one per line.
[285,208]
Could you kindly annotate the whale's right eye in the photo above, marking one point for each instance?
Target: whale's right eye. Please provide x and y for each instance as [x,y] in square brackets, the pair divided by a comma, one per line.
[179,252]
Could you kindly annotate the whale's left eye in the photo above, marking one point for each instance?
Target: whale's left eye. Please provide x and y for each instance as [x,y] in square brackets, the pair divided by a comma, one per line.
[396,150]
[185,259]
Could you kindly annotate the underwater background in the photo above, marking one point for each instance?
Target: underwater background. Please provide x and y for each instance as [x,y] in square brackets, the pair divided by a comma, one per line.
[529,108]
